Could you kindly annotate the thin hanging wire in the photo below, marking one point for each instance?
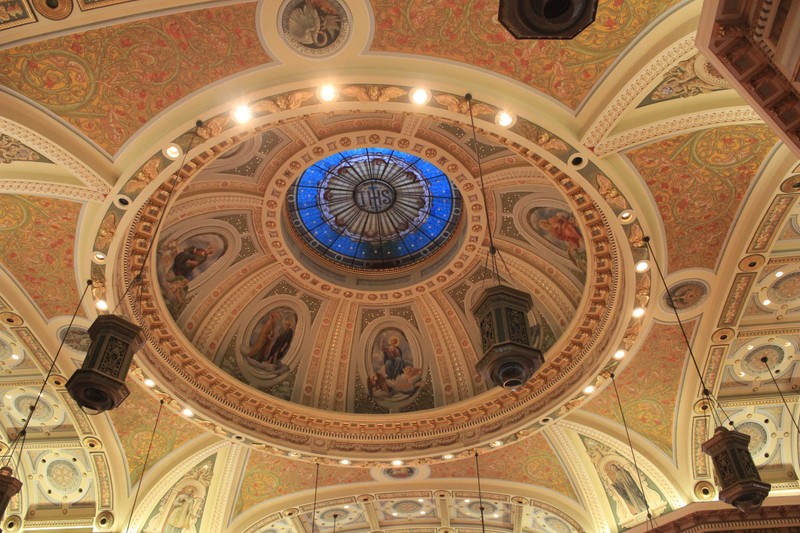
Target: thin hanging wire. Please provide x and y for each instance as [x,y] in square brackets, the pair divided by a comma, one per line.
[137,279]
[144,467]
[335,516]
[480,492]
[651,521]
[765,360]
[19,440]
[492,248]
[314,508]
[706,392]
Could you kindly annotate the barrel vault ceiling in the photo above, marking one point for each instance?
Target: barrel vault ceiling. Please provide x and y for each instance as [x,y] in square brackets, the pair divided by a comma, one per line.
[623,133]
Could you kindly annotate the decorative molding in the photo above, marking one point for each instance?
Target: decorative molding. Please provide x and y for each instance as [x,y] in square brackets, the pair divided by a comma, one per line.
[67,192]
[683,123]
[643,462]
[57,155]
[634,88]
[586,488]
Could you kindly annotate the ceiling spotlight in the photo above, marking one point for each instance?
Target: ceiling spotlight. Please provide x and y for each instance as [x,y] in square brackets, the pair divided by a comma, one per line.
[420,96]
[420,500]
[394,513]
[642,266]
[626,215]
[766,301]
[496,515]
[99,257]
[344,461]
[496,444]
[504,119]
[466,501]
[750,346]
[787,344]
[347,507]
[187,412]
[620,354]
[101,305]
[173,151]
[150,383]
[15,356]
[397,462]
[779,273]
[293,454]
[448,456]
[422,512]
[638,312]
[588,389]
[327,93]
[242,114]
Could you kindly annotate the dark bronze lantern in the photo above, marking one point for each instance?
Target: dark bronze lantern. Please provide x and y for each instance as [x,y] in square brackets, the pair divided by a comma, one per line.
[9,487]
[508,358]
[546,19]
[736,472]
[99,385]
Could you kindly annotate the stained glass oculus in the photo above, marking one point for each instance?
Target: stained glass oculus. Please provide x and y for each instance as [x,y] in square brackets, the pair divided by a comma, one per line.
[373,208]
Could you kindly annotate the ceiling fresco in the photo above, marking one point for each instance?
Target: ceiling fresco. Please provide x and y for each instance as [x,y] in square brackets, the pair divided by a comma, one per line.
[308,275]
[110,81]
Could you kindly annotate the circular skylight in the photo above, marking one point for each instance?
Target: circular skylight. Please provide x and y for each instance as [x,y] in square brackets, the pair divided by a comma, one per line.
[374,208]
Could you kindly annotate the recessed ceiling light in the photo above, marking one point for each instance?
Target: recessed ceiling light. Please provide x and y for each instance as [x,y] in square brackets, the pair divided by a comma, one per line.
[420,500]
[638,312]
[293,454]
[620,354]
[99,257]
[496,515]
[496,444]
[394,513]
[750,346]
[422,512]
[397,462]
[173,151]
[187,412]
[149,382]
[642,266]
[347,507]
[767,301]
[101,305]
[466,501]
[14,356]
[344,461]
[787,344]
[779,273]
[741,374]
[588,389]
[448,456]
[419,96]
[626,215]
[242,114]
[504,119]
[327,93]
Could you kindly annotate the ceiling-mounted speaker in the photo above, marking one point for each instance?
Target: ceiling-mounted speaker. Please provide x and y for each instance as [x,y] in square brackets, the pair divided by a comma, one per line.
[546,19]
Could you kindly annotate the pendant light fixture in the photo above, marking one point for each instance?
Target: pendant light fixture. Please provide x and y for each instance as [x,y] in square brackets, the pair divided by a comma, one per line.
[501,311]
[736,472]
[99,385]
[10,485]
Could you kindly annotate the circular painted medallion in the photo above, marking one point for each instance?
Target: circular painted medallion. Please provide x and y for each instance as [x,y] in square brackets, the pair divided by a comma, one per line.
[786,289]
[374,208]
[751,362]
[685,295]
[314,29]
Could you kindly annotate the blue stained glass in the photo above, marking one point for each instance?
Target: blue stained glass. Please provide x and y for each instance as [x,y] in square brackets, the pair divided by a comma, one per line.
[374,208]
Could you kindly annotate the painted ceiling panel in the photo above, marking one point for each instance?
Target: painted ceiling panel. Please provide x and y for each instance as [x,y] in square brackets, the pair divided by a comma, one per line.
[108,82]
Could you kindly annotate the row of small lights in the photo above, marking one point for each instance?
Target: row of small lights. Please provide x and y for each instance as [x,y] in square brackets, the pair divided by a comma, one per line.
[329,93]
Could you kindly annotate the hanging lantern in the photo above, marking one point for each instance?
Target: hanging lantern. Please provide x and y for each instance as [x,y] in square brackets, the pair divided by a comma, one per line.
[9,487]
[508,358]
[99,385]
[741,486]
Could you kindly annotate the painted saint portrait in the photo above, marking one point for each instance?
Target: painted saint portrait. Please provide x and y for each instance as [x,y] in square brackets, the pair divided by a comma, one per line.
[560,228]
[181,262]
[271,339]
[181,508]
[396,376]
